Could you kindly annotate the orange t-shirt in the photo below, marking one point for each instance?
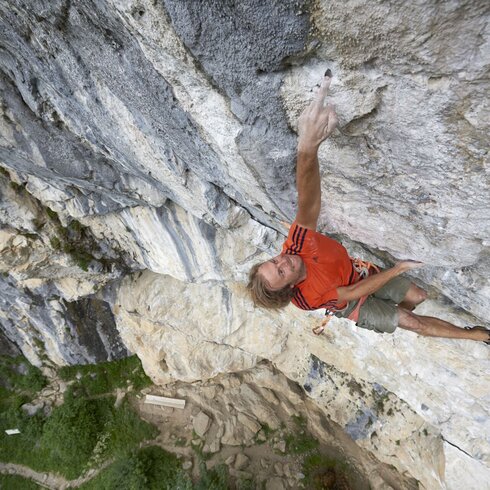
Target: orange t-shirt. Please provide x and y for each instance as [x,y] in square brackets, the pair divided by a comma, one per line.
[328,266]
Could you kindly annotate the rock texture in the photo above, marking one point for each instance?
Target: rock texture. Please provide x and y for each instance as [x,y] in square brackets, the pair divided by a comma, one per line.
[147,159]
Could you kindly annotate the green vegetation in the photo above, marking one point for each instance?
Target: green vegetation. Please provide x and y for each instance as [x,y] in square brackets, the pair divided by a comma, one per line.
[323,472]
[246,484]
[16,187]
[320,471]
[150,468]
[267,431]
[66,441]
[86,430]
[55,243]
[14,482]
[216,478]
[379,400]
[96,379]
[74,239]
[300,442]
[19,376]
[198,449]
[52,214]
[264,434]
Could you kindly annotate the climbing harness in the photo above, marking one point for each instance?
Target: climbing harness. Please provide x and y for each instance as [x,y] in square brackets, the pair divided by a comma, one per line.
[364,269]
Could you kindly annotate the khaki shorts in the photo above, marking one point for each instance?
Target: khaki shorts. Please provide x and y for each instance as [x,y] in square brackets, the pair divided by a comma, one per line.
[380,312]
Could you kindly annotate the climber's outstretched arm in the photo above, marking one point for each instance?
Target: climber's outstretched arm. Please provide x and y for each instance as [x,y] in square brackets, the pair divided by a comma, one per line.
[315,125]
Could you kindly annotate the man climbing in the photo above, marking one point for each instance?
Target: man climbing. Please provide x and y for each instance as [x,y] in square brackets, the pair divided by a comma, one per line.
[314,271]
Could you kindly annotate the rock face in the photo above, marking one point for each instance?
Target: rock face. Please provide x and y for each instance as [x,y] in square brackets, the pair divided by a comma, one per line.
[147,154]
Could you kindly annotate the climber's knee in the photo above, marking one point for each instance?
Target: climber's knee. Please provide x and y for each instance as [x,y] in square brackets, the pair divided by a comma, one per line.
[410,321]
[414,296]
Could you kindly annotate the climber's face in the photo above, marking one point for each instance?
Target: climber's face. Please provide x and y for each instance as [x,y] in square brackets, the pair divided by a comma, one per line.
[283,270]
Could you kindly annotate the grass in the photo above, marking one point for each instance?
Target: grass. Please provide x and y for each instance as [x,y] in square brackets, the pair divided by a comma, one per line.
[215,478]
[97,379]
[14,482]
[300,441]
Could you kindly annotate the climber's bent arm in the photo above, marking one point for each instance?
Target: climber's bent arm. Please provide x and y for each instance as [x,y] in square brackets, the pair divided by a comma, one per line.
[373,283]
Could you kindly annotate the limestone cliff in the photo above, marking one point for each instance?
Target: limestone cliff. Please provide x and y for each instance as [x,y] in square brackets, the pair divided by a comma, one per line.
[147,153]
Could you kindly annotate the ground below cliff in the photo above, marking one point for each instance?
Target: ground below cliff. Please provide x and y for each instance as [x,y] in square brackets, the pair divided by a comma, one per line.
[234,432]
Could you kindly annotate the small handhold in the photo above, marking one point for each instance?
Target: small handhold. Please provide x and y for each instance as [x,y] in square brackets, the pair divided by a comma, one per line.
[328,73]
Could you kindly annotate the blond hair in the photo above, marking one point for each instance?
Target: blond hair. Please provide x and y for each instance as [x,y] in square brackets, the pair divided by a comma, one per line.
[263,295]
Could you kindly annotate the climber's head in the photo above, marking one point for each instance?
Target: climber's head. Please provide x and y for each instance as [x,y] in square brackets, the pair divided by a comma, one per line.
[272,283]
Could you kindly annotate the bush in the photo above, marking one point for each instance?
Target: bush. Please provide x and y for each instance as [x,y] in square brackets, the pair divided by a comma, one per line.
[13,379]
[150,468]
[126,430]
[70,433]
[19,384]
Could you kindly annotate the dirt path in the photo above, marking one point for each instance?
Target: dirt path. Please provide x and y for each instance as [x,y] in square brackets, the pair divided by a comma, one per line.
[49,480]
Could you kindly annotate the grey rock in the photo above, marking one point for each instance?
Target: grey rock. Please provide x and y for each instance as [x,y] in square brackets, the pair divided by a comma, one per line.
[280,446]
[230,459]
[201,423]
[275,484]
[32,408]
[287,470]
[7,347]
[241,461]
